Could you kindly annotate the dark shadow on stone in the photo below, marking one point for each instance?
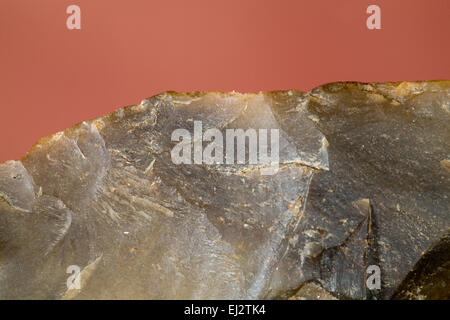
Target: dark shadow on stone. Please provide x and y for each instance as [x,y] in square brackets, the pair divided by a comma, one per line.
[430,277]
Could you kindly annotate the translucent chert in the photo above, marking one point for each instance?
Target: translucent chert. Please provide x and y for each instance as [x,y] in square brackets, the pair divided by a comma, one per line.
[362,180]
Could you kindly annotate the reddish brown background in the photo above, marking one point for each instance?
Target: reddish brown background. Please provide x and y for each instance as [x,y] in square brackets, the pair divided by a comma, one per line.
[127,50]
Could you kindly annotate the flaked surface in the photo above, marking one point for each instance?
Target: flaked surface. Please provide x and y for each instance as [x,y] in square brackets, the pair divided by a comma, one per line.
[363,180]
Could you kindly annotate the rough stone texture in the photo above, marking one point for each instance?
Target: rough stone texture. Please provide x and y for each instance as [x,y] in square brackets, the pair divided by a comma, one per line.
[363,179]
[312,291]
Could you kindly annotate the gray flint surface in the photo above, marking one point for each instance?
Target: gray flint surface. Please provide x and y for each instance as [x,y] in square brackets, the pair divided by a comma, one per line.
[363,179]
